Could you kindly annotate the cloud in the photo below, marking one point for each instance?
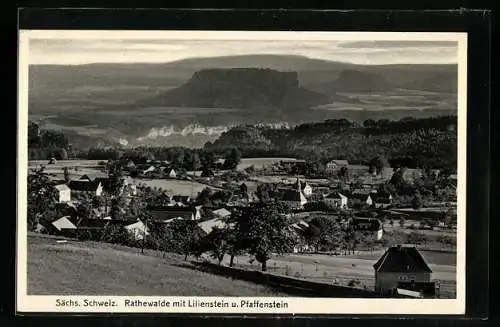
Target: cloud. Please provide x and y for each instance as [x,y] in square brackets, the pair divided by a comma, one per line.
[81,51]
[398,44]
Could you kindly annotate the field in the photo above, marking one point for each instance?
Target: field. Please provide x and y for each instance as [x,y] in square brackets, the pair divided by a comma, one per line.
[177,187]
[342,269]
[77,168]
[89,268]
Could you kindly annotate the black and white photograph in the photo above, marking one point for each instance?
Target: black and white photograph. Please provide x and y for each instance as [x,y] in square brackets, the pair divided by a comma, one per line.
[188,171]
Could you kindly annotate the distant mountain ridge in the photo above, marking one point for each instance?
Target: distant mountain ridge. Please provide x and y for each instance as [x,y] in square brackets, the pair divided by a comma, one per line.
[54,80]
[130,102]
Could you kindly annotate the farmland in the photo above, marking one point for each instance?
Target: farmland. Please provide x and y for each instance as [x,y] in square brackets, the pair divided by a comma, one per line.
[178,187]
[90,268]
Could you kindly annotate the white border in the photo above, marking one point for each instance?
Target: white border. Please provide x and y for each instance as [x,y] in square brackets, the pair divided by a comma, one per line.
[31,303]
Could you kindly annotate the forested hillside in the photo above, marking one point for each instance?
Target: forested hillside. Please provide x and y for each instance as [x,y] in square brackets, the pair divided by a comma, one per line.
[429,142]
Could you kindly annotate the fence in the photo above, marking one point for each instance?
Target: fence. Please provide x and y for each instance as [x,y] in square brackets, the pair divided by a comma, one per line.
[292,286]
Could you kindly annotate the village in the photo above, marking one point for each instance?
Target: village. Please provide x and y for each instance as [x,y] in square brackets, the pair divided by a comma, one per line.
[346,210]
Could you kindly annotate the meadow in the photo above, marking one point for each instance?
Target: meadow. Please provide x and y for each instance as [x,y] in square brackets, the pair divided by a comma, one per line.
[342,269]
[90,268]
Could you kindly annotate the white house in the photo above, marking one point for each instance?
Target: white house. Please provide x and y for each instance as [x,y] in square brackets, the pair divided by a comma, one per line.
[370,225]
[336,164]
[138,230]
[64,193]
[170,172]
[94,188]
[336,199]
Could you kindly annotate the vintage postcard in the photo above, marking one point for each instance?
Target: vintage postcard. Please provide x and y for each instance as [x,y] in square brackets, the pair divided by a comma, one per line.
[241,172]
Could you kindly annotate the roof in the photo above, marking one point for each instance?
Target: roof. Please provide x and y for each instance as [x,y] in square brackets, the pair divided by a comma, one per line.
[85,177]
[83,186]
[167,213]
[63,223]
[101,223]
[340,162]
[222,212]
[361,196]
[370,224]
[293,195]
[169,170]
[208,225]
[402,258]
[137,224]
[62,187]
[336,195]
[363,191]
[181,198]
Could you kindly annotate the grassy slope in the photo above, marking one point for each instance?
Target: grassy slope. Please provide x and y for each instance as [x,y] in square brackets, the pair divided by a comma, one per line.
[99,269]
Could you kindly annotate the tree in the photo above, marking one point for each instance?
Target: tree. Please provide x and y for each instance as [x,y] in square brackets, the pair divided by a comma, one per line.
[324,233]
[42,198]
[417,201]
[62,154]
[182,237]
[377,164]
[243,189]
[67,176]
[195,162]
[115,178]
[216,243]
[116,234]
[233,159]
[343,173]
[264,230]
[118,208]
[203,197]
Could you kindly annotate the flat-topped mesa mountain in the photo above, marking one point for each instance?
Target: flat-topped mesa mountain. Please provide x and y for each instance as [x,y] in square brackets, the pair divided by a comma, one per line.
[242,88]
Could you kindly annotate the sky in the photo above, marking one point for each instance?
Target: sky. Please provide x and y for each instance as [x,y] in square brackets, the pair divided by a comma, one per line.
[76,49]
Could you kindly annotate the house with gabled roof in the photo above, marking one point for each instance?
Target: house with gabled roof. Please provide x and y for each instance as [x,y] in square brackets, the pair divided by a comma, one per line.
[336,199]
[163,214]
[295,198]
[398,266]
[170,172]
[183,199]
[304,187]
[138,230]
[368,225]
[93,188]
[208,226]
[336,164]
[85,178]
[221,213]
[64,193]
[63,226]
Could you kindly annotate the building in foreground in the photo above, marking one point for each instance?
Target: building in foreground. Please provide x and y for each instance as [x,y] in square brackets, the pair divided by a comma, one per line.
[402,269]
